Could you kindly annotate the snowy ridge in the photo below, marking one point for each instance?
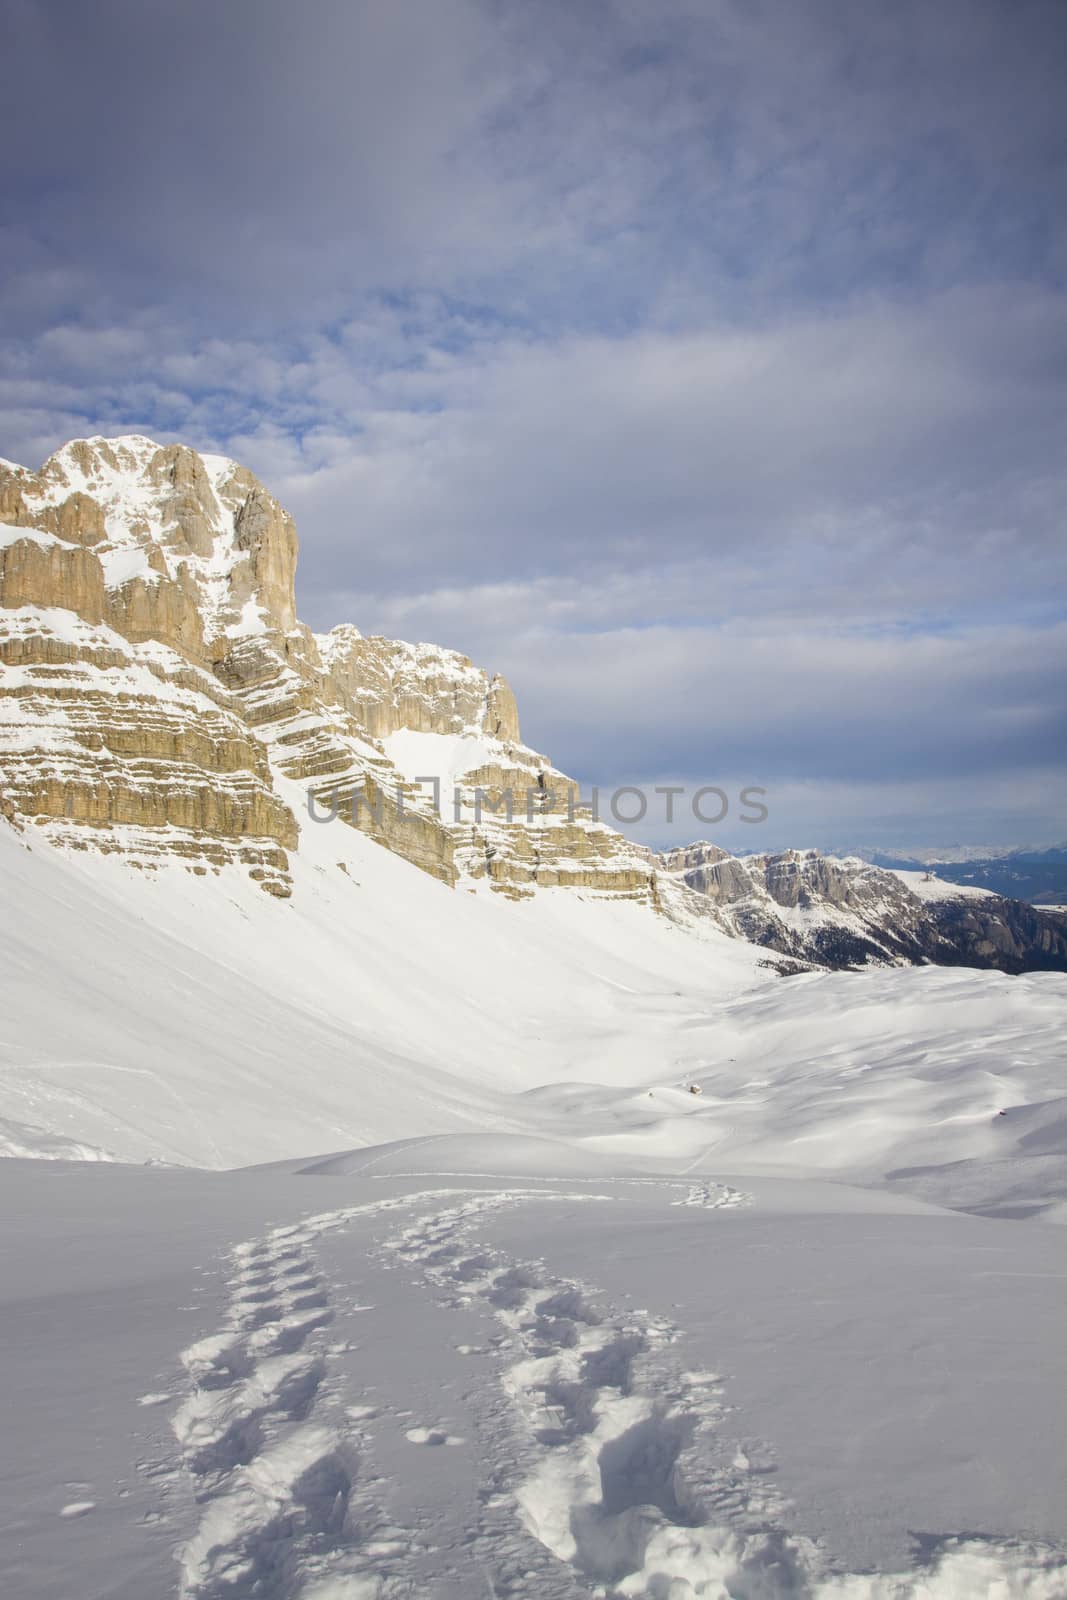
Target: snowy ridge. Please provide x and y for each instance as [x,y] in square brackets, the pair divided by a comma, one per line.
[839,912]
[929,887]
[12,535]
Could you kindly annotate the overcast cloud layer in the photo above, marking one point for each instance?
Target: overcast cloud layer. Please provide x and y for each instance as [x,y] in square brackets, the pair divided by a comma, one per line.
[699,365]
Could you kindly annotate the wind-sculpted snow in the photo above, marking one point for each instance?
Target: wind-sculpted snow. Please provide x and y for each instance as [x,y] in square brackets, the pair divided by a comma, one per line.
[177,1040]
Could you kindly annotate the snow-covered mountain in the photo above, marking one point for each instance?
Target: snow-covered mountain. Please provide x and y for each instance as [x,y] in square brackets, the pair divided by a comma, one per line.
[157,682]
[930,855]
[1028,872]
[159,694]
[843,912]
[173,742]
[1037,873]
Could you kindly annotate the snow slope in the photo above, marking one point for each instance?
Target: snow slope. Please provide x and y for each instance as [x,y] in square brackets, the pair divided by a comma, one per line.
[340,1386]
[198,1021]
[191,1010]
[933,888]
[896,1077]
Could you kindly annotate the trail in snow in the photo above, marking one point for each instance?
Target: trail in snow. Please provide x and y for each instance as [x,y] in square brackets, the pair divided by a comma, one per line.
[613,1473]
[606,1468]
[277,1485]
[612,1459]
[713,1197]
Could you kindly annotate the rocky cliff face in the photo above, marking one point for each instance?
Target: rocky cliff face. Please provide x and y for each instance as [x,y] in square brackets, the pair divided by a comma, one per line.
[157,690]
[835,912]
[159,697]
[192,549]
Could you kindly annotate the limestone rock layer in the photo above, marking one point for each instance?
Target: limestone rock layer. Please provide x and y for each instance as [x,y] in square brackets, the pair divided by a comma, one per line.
[156,684]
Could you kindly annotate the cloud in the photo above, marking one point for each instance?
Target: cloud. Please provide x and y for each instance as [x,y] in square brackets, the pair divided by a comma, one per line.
[596,163]
[700,367]
[1020,807]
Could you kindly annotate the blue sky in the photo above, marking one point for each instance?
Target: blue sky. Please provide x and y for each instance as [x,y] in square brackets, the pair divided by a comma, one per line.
[698,365]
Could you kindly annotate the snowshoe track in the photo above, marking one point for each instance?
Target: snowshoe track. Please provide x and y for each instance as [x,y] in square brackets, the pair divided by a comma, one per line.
[607,1473]
[274,1482]
[616,1463]
[609,1448]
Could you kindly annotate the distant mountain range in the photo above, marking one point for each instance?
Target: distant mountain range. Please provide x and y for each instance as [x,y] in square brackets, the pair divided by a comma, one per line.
[1023,872]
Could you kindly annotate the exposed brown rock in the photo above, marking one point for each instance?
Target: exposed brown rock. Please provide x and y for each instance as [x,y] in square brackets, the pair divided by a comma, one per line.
[44,571]
[181,569]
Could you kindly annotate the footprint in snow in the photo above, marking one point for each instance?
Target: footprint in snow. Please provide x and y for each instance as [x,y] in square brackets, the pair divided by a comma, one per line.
[433,1436]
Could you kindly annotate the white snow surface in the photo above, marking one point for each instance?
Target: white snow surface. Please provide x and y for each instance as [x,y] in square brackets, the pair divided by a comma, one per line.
[448,757]
[191,1010]
[375,1245]
[323,1386]
[934,888]
[191,1006]
[11,534]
